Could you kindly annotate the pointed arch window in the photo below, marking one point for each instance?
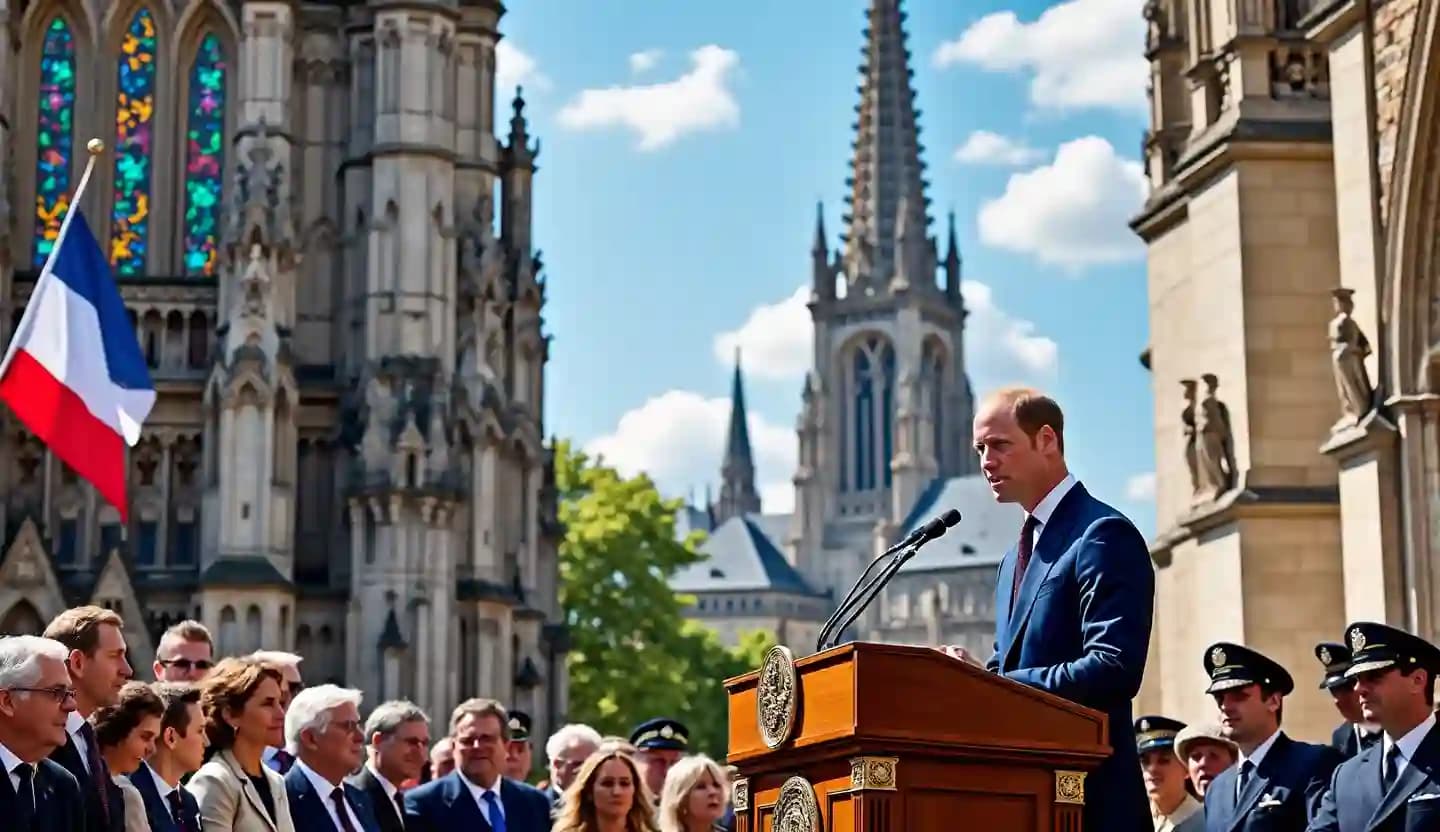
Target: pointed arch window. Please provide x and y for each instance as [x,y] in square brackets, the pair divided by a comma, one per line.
[871,415]
[134,138]
[54,136]
[933,373]
[204,156]
[864,405]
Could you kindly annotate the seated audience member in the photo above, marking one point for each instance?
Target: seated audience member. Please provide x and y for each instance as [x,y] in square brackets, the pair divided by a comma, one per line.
[235,790]
[1167,784]
[126,733]
[322,730]
[277,757]
[659,744]
[567,750]
[519,757]
[476,795]
[442,759]
[608,795]
[398,736]
[1206,752]
[185,653]
[695,796]
[179,752]
[36,701]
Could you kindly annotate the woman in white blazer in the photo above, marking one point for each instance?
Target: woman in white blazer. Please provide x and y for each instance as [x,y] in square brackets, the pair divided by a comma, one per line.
[236,791]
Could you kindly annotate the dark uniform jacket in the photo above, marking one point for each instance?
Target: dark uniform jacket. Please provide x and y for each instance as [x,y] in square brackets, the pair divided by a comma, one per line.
[1355,802]
[58,807]
[1282,794]
[387,811]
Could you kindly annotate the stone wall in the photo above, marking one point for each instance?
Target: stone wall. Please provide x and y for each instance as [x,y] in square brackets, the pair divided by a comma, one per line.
[1394,22]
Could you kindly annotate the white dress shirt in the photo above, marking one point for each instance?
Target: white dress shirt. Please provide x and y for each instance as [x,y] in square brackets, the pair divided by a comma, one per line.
[479,792]
[1046,508]
[8,760]
[161,787]
[324,788]
[73,723]
[390,788]
[1408,743]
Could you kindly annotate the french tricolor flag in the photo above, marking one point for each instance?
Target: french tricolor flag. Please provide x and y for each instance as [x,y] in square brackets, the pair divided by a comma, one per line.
[74,372]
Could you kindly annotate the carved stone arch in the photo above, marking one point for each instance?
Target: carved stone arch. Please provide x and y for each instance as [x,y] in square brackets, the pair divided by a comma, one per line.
[114,590]
[27,574]
[22,619]
[83,26]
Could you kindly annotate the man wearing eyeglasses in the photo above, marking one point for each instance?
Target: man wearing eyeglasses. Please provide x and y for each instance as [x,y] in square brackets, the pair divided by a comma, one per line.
[36,700]
[185,654]
[322,728]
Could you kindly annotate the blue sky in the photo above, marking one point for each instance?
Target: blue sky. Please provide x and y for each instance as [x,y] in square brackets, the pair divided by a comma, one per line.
[685,145]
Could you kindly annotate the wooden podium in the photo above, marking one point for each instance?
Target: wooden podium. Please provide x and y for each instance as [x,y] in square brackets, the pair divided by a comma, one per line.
[881,737]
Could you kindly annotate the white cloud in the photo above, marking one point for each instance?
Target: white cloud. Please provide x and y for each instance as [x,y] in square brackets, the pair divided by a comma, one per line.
[678,438]
[1080,53]
[514,67]
[986,148]
[775,341]
[1141,487]
[645,61]
[1072,212]
[1001,345]
[661,113]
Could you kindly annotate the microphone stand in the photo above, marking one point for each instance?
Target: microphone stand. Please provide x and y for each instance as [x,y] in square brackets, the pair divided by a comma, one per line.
[914,537]
[873,589]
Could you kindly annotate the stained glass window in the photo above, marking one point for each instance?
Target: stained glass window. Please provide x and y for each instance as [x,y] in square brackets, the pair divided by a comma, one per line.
[134,131]
[204,157]
[53,136]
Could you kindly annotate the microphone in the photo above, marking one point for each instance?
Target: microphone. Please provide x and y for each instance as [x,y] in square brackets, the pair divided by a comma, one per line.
[906,549]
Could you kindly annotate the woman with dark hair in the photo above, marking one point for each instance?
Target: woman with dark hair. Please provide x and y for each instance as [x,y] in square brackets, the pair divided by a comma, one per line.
[608,795]
[126,733]
[235,790]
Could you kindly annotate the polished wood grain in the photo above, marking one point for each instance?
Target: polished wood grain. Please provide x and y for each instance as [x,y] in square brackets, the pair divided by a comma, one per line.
[969,749]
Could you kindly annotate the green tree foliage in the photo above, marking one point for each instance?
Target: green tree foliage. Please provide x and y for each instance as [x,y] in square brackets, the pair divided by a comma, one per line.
[633,655]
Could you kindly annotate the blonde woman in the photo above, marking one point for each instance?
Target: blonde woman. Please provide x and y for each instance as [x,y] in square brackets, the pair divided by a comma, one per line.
[607,795]
[695,796]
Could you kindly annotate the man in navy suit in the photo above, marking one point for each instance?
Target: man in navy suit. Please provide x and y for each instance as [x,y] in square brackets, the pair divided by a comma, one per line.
[322,730]
[1394,785]
[179,752]
[1074,598]
[475,796]
[1277,782]
[1354,734]
[36,700]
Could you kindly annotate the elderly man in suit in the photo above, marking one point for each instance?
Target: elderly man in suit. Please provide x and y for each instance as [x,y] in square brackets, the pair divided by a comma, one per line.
[398,734]
[36,700]
[1277,782]
[1394,785]
[99,667]
[476,796]
[322,730]
[179,752]
[1074,598]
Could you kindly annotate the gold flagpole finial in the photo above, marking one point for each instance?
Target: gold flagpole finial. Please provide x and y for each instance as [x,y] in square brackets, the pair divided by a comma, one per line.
[95,146]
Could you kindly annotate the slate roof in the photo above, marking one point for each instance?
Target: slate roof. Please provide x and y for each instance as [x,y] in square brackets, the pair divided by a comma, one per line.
[743,555]
[987,529]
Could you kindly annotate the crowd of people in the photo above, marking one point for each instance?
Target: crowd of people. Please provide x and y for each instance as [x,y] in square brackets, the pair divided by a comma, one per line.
[243,745]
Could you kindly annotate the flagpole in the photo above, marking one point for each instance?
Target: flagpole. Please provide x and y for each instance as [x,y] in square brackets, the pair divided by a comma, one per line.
[94,147]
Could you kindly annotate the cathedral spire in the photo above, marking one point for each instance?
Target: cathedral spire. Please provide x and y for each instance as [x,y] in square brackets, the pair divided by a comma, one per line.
[952,262]
[886,163]
[737,472]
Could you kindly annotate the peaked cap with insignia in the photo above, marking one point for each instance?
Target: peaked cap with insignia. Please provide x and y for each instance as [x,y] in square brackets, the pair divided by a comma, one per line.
[661,733]
[1156,732]
[1379,646]
[1335,658]
[1232,665]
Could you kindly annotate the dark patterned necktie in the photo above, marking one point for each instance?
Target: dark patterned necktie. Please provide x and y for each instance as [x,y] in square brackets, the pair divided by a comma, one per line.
[1027,548]
[1392,766]
[340,811]
[183,821]
[99,772]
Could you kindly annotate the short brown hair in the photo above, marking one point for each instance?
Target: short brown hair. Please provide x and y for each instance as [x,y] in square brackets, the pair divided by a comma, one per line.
[113,723]
[226,690]
[78,628]
[188,630]
[477,708]
[178,697]
[1032,410]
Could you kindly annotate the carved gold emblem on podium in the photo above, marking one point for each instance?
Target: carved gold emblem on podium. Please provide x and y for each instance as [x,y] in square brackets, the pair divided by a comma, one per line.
[776,696]
[797,809]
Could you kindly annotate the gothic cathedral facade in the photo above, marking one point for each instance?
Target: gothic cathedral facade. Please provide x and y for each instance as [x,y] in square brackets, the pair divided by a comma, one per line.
[325,247]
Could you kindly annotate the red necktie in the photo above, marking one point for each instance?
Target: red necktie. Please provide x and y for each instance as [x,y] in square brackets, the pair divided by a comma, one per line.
[1027,547]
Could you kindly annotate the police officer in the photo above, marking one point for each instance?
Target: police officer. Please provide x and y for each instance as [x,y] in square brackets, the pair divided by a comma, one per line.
[659,744]
[1172,807]
[1394,785]
[1277,783]
[518,753]
[1354,734]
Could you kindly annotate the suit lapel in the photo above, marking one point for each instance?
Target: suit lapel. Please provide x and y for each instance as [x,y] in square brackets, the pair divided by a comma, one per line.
[156,809]
[1054,540]
[464,811]
[1260,780]
[1417,772]
[247,788]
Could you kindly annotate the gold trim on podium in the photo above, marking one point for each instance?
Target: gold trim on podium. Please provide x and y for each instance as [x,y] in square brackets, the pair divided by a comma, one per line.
[740,795]
[873,773]
[1070,787]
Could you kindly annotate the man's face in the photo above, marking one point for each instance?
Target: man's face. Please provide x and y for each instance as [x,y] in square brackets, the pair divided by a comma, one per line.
[293,685]
[1246,715]
[40,712]
[1013,463]
[1164,776]
[177,660]
[442,758]
[188,749]
[99,677]
[1347,702]
[655,763]
[401,755]
[338,747]
[566,765]
[1205,761]
[518,759]
[480,748]
[1387,693]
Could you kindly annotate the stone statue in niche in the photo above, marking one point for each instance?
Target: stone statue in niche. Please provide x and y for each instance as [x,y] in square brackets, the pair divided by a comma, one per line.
[1155,16]
[1187,421]
[1348,350]
[255,283]
[1215,445]
[380,414]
